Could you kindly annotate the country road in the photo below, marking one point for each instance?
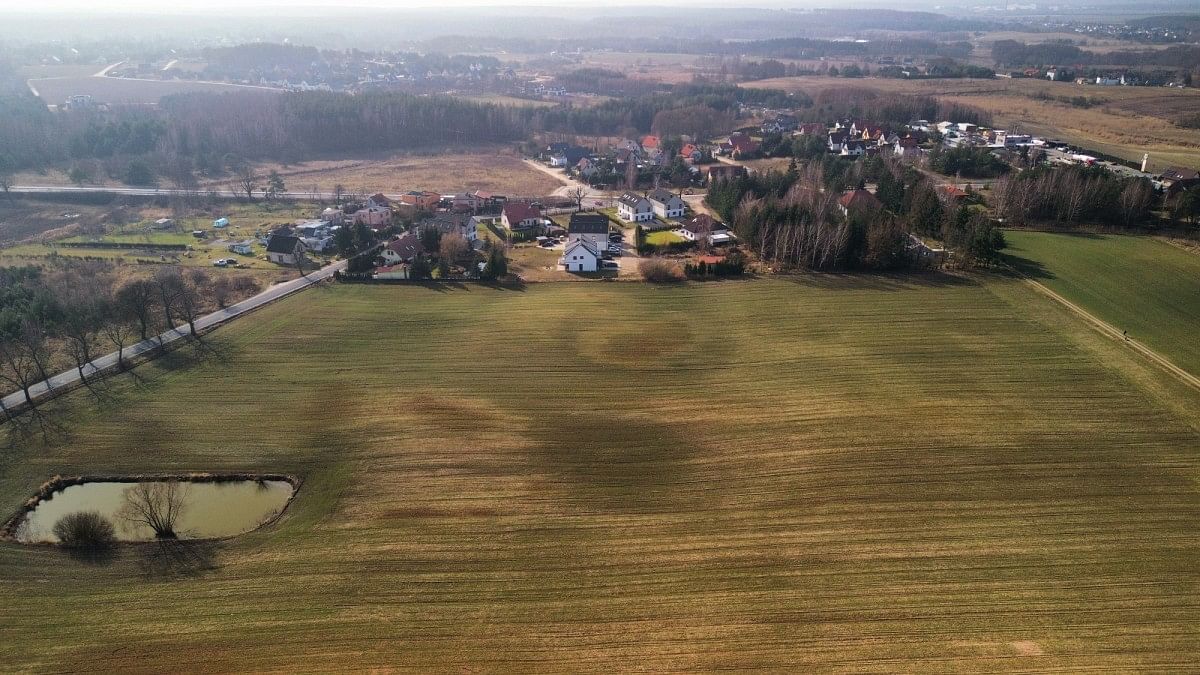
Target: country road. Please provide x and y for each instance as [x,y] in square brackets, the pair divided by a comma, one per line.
[109,360]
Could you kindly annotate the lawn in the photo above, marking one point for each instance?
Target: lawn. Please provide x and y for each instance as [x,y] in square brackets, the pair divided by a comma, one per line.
[1138,284]
[855,473]
[663,238]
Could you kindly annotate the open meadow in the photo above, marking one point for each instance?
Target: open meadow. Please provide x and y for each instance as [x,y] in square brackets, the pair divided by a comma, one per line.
[1138,284]
[866,473]
[499,170]
[123,90]
[1124,121]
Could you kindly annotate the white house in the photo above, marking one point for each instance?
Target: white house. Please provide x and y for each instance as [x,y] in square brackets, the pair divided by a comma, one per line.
[634,208]
[402,250]
[284,249]
[520,216]
[580,256]
[666,204]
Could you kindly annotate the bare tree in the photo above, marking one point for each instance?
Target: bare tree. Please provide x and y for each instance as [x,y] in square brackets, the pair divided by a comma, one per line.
[136,299]
[339,191]
[119,330]
[247,179]
[157,505]
[82,318]
[577,195]
[453,248]
[191,298]
[222,288]
[168,284]
[6,183]
[17,369]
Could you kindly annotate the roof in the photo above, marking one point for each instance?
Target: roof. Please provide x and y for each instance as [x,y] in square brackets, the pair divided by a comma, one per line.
[649,142]
[585,244]
[726,170]
[516,212]
[1180,173]
[704,222]
[952,191]
[282,243]
[660,195]
[409,246]
[631,199]
[688,150]
[447,221]
[907,142]
[743,143]
[859,198]
[379,198]
[588,223]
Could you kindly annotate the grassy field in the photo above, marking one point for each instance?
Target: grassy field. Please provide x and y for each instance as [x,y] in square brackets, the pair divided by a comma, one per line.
[663,238]
[1147,287]
[1130,121]
[866,473]
[497,171]
[118,90]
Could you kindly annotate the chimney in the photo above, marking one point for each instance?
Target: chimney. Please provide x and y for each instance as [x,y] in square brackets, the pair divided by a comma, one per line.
[1145,161]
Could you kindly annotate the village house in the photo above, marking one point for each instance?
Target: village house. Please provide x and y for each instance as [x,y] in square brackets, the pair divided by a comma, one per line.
[649,143]
[634,208]
[426,201]
[374,217]
[284,249]
[666,204]
[378,199]
[520,216]
[742,146]
[1175,179]
[812,129]
[489,201]
[333,216]
[592,227]
[402,250]
[448,222]
[586,167]
[858,201]
[580,255]
[706,228]
[906,147]
[853,148]
[691,153]
[717,172]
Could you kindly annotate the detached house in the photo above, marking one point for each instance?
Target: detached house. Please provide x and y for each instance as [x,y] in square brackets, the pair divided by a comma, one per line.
[284,249]
[634,208]
[591,227]
[858,201]
[454,223]
[690,153]
[427,201]
[666,204]
[402,250]
[706,228]
[581,255]
[520,216]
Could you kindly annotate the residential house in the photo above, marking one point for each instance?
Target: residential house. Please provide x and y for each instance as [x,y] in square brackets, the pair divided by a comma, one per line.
[580,255]
[812,129]
[634,208]
[378,199]
[284,249]
[741,146]
[592,227]
[1176,178]
[858,201]
[426,201]
[906,147]
[649,143]
[586,167]
[853,148]
[374,217]
[666,204]
[952,193]
[717,172]
[462,203]
[402,250]
[706,228]
[520,216]
[837,139]
[490,201]
[691,153]
[333,216]
[448,222]
[245,247]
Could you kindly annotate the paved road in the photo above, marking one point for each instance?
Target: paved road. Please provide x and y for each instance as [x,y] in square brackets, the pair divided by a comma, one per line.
[269,295]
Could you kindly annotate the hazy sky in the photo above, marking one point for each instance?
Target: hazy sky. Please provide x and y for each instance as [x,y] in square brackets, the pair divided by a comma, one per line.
[213,6]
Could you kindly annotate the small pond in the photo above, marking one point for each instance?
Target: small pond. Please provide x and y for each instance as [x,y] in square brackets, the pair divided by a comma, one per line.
[209,509]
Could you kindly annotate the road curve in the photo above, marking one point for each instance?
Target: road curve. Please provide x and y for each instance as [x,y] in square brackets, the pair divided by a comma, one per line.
[271,294]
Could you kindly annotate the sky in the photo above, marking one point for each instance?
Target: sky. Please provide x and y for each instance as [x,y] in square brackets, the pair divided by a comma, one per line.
[212,6]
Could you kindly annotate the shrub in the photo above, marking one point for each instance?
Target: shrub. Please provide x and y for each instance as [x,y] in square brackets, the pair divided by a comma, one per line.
[658,270]
[85,529]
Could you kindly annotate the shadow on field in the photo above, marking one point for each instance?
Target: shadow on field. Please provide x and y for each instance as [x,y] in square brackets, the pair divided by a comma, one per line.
[881,282]
[177,559]
[1023,267]
[616,463]
[103,555]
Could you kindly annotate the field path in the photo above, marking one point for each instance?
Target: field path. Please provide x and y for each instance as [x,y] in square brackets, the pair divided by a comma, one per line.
[1112,331]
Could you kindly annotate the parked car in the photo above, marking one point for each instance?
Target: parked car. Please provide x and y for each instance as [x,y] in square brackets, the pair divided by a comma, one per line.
[219,262]
[616,236]
[610,265]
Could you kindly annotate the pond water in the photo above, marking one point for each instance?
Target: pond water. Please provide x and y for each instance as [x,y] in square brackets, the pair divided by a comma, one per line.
[209,508]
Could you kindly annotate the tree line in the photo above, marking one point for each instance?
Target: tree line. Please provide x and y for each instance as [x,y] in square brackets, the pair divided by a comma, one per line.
[70,313]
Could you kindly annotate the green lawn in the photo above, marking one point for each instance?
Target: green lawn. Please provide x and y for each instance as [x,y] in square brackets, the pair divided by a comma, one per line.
[1138,284]
[829,472]
[663,238]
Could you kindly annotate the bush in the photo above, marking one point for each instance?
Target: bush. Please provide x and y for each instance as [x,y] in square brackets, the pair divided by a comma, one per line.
[85,529]
[658,270]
